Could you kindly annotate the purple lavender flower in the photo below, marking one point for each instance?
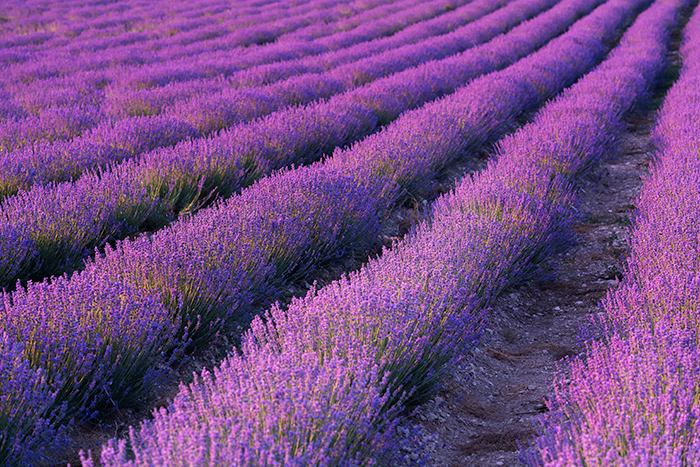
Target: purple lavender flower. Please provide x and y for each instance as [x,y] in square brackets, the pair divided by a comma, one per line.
[96,355]
[30,421]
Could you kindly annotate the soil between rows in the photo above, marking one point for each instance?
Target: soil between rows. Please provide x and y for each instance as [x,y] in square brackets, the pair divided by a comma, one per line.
[487,406]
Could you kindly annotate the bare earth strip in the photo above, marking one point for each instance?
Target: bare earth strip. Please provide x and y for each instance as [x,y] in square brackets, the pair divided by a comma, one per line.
[489,403]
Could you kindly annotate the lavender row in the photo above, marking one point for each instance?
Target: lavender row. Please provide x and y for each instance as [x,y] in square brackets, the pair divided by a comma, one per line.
[323,382]
[64,122]
[665,247]
[123,139]
[58,225]
[634,399]
[210,270]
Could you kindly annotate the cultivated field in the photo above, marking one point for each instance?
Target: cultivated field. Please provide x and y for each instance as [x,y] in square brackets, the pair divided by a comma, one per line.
[175,175]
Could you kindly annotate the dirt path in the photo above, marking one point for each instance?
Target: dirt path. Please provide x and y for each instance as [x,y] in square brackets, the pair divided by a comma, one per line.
[487,404]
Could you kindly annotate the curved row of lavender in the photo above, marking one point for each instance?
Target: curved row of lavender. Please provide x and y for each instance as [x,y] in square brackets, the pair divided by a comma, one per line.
[59,225]
[103,334]
[635,398]
[126,138]
[323,382]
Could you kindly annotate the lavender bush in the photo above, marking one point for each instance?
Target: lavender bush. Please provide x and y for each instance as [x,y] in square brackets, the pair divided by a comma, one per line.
[632,401]
[30,424]
[98,355]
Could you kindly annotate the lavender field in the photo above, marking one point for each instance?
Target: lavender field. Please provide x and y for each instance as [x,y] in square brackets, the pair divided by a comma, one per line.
[174,175]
